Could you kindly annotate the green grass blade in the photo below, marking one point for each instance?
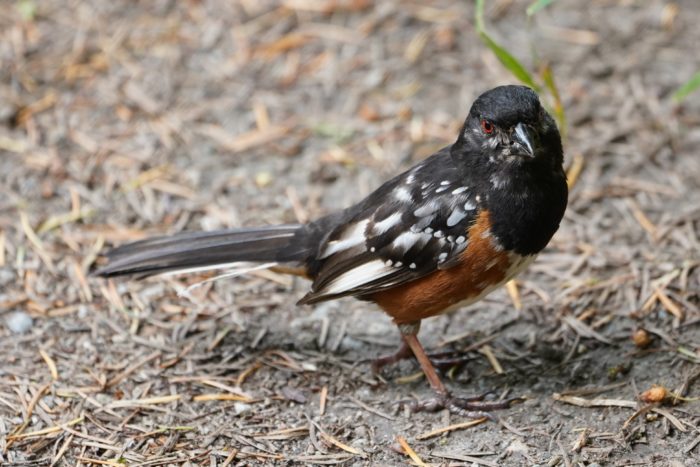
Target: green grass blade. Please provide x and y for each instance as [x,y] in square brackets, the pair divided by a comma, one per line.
[559,113]
[537,6]
[27,9]
[692,85]
[480,16]
[508,61]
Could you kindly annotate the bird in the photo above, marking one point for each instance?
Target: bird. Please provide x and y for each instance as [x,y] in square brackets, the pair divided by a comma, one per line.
[439,236]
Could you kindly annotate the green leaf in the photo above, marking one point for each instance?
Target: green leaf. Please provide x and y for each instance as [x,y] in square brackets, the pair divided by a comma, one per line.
[692,85]
[537,6]
[506,58]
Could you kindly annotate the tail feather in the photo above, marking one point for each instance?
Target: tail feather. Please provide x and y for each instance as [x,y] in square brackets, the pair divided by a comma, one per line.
[189,251]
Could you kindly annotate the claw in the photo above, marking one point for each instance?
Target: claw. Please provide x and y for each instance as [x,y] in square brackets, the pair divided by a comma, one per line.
[470,407]
[445,361]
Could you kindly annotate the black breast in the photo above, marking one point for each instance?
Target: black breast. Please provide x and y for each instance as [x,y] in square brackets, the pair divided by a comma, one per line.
[526,213]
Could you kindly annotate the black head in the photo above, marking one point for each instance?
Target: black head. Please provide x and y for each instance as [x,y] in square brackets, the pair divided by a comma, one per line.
[508,125]
[510,151]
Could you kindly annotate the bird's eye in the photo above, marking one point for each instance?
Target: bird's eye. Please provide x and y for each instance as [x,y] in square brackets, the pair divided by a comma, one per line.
[486,126]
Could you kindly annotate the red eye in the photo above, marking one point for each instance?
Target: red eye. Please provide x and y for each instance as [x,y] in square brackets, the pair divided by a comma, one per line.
[487,126]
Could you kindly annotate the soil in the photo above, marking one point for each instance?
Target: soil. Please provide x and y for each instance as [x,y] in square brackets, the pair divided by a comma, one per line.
[124,119]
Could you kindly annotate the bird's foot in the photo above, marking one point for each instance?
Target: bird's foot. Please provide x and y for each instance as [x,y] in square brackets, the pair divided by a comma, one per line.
[470,407]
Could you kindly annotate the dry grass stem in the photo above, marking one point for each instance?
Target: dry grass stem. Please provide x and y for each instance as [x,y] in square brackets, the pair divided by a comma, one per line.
[449,428]
[410,452]
[122,120]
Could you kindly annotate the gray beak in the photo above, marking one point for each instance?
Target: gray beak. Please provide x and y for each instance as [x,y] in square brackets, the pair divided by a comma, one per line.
[522,140]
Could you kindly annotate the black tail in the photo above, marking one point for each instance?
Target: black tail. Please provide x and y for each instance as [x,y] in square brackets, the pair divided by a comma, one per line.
[207,250]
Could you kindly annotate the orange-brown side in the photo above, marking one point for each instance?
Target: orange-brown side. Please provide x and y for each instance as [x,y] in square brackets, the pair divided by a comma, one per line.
[482,265]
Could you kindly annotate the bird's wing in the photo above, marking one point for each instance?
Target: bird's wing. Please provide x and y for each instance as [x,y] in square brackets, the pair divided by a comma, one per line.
[413,225]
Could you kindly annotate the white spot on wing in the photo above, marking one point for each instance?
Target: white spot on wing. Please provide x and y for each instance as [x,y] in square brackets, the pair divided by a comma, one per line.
[455,217]
[407,240]
[469,206]
[384,225]
[358,276]
[459,190]
[402,194]
[352,236]
[427,209]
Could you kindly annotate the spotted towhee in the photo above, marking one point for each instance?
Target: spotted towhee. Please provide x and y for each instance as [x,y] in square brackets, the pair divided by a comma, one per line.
[439,236]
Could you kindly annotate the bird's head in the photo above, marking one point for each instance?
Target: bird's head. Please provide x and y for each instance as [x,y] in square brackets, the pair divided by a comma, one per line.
[508,126]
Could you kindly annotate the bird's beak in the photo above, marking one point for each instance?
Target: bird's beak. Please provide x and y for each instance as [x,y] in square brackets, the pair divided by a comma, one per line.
[523,139]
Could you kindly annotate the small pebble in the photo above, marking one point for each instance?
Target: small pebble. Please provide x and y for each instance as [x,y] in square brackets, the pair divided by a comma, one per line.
[19,322]
[655,394]
[240,407]
[641,338]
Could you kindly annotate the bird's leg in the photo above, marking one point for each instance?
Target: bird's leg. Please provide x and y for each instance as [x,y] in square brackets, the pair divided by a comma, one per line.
[443,361]
[472,407]
[403,353]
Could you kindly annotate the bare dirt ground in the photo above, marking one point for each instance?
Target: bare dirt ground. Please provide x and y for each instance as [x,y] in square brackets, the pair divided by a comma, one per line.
[121,119]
